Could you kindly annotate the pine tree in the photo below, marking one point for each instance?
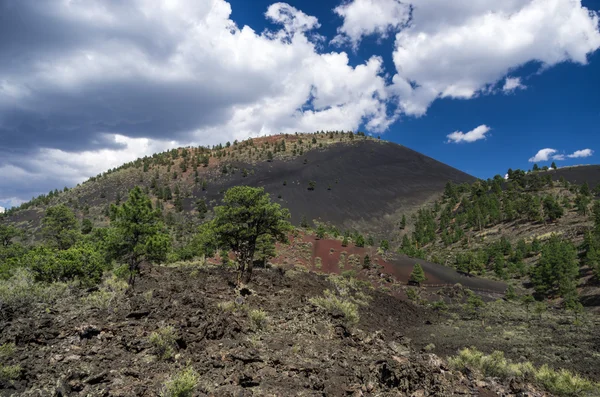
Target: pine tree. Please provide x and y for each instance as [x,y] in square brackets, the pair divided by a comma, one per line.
[366,262]
[403,222]
[557,270]
[137,234]
[359,241]
[418,275]
[59,227]
[246,215]
[552,209]
[585,190]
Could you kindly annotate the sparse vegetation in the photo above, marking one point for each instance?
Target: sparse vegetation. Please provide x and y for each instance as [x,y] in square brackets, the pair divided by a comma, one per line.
[562,382]
[163,342]
[258,318]
[182,384]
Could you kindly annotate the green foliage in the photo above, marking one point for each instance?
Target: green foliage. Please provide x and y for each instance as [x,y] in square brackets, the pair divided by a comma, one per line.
[384,245]
[137,232]
[111,292]
[345,241]
[321,231]
[21,291]
[265,249]
[7,234]
[59,227]
[557,270]
[474,302]
[163,342]
[417,275]
[82,262]
[510,293]
[425,227]
[86,226]
[359,241]
[248,214]
[181,384]
[552,208]
[366,261]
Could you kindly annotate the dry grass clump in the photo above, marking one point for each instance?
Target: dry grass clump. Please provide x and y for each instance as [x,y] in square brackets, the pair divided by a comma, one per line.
[561,382]
[182,384]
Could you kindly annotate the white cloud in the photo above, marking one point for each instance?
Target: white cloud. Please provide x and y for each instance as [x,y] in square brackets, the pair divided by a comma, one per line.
[366,17]
[545,155]
[180,71]
[475,134]
[459,49]
[552,154]
[183,71]
[581,153]
[2,209]
[513,83]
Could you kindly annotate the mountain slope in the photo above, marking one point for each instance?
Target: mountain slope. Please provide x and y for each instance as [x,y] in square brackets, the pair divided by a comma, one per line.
[358,182]
[578,174]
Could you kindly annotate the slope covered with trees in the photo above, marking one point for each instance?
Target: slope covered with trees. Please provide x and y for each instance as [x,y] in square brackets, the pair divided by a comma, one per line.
[541,234]
[349,180]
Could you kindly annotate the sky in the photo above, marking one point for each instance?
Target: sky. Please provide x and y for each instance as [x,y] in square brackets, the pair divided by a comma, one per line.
[482,85]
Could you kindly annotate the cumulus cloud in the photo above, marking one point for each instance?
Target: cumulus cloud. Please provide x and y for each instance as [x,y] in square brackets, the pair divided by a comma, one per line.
[475,134]
[581,153]
[459,49]
[552,154]
[513,83]
[366,17]
[2,209]
[546,155]
[75,75]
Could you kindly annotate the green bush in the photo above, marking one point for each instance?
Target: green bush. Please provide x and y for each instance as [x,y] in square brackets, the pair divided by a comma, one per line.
[83,263]
[181,384]
[163,341]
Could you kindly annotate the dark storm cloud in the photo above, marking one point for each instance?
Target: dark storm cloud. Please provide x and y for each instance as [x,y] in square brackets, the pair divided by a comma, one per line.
[34,33]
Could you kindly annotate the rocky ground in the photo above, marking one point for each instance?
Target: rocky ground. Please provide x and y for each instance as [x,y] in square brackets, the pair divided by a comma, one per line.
[267,339]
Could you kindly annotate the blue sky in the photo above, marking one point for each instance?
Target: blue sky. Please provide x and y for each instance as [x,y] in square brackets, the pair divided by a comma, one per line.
[88,86]
[560,108]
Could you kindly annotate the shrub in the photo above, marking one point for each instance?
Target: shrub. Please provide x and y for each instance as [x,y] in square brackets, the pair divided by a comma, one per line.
[333,303]
[561,382]
[110,292]
[8,372]
[181,384]
[21,291]
[163,341]
[258,318]
[83,262]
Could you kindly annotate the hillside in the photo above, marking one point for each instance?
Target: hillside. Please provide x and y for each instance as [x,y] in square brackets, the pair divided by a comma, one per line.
[579,175]
[501,234]
[347,180]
